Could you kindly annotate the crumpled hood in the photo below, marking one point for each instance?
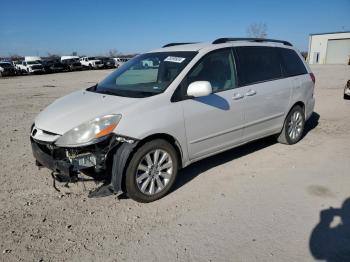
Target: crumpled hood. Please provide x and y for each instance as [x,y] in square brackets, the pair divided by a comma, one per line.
[78,107]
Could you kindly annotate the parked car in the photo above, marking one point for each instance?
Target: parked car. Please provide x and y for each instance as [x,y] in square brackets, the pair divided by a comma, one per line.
[107,62]
[119,61]
[347,91]
[140,126]
[73,64]
[54,66]
[91,62]
[7,69]
[30,67]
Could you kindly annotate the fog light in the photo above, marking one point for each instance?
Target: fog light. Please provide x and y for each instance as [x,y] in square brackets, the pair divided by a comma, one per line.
[84,160]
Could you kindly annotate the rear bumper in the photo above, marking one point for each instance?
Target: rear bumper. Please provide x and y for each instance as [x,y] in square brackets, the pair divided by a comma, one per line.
[310,108]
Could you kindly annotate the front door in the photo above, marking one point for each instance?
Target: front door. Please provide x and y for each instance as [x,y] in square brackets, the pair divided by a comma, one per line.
[213,123]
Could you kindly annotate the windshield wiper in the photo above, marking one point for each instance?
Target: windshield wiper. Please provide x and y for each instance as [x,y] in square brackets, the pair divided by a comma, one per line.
[123,93]
[106,92]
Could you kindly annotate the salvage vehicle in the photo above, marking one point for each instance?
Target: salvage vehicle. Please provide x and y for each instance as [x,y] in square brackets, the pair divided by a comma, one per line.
[347,91]
[119,61]
[91,62]
[72,63]
[54,66]
[139,126]
[107,62]
[7,69]
[30,67]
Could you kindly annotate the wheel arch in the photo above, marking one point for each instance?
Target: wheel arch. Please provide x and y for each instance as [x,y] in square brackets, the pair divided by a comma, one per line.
[298,103]
[169,138]
[122,169]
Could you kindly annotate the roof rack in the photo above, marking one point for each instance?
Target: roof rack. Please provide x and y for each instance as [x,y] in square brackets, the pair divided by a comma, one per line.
[227,39]
[174,44]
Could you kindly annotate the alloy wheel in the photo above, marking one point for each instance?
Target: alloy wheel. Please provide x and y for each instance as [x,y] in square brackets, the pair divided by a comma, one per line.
[295,125]
[154,172]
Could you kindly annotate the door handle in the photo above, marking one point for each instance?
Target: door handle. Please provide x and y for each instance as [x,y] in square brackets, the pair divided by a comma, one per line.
[250,92]
[237,96]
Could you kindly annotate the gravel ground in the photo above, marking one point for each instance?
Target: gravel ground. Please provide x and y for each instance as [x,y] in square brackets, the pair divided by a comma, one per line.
[258,202]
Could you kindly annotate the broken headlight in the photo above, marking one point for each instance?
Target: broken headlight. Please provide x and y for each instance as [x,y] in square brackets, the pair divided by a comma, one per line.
[89,132]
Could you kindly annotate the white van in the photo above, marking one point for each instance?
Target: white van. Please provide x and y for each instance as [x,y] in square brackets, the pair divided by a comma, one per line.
[139,126]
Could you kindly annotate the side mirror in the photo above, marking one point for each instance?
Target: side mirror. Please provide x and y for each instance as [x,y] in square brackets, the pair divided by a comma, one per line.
[199,88]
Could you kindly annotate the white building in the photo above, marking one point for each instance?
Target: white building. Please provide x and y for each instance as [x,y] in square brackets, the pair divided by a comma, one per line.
[329,48]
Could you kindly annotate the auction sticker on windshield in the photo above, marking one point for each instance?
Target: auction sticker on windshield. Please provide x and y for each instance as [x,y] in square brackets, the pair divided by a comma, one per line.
[174,59]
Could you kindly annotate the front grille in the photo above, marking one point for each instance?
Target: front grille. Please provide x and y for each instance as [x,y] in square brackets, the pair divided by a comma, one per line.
[55,152]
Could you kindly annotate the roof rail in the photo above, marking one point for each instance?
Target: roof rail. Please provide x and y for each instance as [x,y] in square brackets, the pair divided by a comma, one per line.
[227,39]
[174,44]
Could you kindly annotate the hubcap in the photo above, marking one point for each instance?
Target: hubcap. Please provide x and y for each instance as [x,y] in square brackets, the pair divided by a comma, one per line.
[154,172]
[295,126]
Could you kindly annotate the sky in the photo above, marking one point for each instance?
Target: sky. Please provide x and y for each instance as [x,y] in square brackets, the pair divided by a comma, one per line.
[92,27]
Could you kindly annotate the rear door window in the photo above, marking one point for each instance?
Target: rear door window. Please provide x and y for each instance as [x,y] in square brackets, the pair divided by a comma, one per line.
[258,64]
[292,64]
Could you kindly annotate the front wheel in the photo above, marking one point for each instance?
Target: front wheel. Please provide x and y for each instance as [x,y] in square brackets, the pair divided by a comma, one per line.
[152,171]
[293,127]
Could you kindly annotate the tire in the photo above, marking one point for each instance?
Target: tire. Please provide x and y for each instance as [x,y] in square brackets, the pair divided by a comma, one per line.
[136,178]
[293,127]
[90,66]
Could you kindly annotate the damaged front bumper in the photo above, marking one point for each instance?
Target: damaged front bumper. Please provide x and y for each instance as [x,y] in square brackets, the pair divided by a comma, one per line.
[69,161]
[104,160]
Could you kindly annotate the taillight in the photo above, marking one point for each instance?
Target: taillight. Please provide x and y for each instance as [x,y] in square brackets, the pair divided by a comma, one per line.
[312,77]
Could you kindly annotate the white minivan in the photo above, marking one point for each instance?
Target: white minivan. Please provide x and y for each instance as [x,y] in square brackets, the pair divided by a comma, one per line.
[140,125]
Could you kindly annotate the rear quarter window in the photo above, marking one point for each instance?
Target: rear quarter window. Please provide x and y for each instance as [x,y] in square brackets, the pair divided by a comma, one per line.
[258,64]
[292,64]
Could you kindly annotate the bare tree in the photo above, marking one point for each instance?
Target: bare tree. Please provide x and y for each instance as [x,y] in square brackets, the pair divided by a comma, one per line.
[304,54]
[257,30]
[113,53]
[53,56]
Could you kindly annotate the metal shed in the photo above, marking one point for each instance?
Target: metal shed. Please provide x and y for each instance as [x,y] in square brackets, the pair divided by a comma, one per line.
[329,48]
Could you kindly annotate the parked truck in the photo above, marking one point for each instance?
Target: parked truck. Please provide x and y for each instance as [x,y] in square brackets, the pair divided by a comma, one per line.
[72,62]
[91,62]
[30,65]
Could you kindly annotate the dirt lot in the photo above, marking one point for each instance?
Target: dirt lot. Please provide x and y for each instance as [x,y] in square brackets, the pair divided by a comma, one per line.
[259,202]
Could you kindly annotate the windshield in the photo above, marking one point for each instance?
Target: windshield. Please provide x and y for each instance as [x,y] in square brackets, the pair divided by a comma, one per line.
[145,75]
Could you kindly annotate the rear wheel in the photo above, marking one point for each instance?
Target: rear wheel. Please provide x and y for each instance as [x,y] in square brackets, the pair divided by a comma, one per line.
[293,127]
[152,171]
